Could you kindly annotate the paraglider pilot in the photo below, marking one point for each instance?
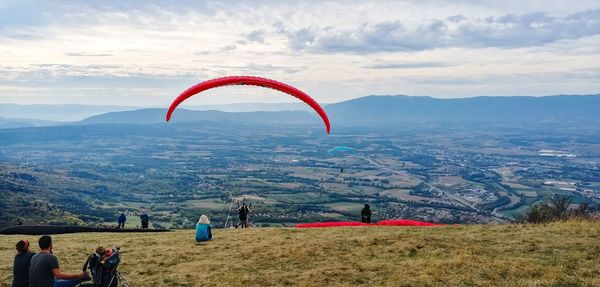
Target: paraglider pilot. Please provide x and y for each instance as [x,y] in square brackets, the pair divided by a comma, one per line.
[243,212]
[365,214]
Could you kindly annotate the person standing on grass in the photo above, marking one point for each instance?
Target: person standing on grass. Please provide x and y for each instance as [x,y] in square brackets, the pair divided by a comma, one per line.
[144,218]
[21,264]
[365,214]
[121,221]
[243,212]
[44,270]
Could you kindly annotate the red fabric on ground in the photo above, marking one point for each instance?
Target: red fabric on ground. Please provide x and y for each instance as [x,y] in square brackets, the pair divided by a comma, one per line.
[331,224]
[389,222]
[405,222]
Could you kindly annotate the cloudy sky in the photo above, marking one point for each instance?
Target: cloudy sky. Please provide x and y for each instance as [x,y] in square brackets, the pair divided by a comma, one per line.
[146,53]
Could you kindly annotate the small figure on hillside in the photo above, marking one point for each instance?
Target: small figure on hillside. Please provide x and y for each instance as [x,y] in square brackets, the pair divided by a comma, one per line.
[243,212]
[144,218]
[203,229]
[121,221]
[365,214]
[21,264]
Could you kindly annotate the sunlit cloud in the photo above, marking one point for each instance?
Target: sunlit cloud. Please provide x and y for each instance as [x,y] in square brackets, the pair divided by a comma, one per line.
[147,52]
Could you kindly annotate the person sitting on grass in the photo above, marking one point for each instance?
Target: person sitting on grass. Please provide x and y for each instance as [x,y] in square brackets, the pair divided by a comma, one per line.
[203,229]
[21,264]
[44,270]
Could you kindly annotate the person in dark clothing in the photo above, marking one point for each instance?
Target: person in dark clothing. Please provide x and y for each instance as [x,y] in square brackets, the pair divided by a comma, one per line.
[243,212]
[144,218]
[44,269]
[121,221]
[21,264]
[365,214]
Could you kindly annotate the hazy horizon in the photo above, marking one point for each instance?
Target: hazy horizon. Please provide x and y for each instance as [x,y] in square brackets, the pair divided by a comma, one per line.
[292,102]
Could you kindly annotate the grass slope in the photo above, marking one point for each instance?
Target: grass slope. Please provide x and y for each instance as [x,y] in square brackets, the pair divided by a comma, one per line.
[557,254]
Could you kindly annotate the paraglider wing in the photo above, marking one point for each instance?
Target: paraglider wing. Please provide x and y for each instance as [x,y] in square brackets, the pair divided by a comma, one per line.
[388,222]
[253,81]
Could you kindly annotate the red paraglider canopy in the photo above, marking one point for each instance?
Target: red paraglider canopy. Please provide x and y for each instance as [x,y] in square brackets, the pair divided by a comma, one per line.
[331,224]
[254,81]
[389,222]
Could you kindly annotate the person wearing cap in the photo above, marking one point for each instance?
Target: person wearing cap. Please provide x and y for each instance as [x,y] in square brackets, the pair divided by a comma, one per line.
[21,264]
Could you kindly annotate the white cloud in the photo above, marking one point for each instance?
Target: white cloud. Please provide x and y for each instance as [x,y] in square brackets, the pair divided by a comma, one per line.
[507,31]
[148,51]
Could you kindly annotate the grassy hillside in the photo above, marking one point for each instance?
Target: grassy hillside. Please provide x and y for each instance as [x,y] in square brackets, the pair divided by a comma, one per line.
[558,254]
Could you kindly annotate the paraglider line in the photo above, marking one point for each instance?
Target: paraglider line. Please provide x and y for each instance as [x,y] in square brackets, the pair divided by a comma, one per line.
[229,210]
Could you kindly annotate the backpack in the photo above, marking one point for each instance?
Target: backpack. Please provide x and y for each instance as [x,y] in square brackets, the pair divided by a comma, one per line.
[103,275]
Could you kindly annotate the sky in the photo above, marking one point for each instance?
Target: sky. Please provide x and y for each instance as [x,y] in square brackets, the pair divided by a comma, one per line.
[144,53]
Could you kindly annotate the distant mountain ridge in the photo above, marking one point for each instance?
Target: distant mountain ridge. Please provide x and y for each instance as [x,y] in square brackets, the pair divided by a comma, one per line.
[380,109]
[365,111]
[385,110]
[64,113]
[78,112]
[154,116]
[11,123]
[251,107]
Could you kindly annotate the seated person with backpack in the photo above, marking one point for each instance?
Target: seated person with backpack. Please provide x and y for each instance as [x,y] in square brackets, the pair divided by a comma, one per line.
[103,266]
[203,229]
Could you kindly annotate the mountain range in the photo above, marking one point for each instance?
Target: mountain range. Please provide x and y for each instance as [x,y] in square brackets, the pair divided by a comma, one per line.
[365,111]
[9,123]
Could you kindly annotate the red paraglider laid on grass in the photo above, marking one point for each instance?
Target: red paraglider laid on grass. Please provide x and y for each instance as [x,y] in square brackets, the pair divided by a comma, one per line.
[253,81]
[389,222]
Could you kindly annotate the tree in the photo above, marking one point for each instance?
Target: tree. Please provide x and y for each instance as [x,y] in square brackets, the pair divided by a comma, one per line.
[558,209]
[559,205]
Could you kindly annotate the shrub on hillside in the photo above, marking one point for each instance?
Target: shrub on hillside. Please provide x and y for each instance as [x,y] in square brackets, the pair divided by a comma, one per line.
[559,208]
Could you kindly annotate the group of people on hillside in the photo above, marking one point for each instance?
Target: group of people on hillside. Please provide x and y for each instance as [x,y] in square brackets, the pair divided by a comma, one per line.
[144,218]
[42,269]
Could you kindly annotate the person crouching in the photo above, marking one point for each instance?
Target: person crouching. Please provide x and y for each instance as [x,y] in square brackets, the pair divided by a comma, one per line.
[203,229]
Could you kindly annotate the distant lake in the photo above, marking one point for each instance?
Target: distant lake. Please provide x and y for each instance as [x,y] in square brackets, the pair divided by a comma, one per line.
[340,150]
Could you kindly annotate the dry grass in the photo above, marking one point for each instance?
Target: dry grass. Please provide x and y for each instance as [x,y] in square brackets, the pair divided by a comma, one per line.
[557,254]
